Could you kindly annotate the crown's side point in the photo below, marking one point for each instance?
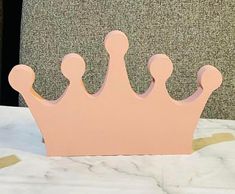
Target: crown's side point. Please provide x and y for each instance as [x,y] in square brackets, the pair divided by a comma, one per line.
[209,78]
[160,67]
[73,66]
[21,78]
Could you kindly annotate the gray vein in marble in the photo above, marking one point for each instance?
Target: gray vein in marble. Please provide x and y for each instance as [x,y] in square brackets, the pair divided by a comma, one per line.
[209,170]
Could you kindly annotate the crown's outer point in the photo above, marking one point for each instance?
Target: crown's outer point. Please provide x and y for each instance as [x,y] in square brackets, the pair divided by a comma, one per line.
[21,78]
[73,66]
[209,78]
[160,67]
[116,42]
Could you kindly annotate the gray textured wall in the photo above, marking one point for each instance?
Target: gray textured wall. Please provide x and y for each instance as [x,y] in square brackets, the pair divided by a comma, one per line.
[192,33]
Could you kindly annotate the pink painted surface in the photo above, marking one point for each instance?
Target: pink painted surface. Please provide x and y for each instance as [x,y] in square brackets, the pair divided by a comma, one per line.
[116,120]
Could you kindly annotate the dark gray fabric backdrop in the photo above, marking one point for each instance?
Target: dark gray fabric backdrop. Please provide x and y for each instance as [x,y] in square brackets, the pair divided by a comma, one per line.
[193,33]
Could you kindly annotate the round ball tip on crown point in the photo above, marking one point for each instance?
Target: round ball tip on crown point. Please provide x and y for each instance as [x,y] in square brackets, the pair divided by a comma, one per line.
[21,78]
[116,42]
[209,78]
[160,67]
[73,66]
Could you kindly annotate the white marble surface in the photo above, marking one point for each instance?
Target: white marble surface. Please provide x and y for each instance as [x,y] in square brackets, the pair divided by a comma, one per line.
[210,170]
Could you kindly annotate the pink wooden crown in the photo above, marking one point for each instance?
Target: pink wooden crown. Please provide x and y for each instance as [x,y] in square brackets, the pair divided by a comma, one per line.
[116,120]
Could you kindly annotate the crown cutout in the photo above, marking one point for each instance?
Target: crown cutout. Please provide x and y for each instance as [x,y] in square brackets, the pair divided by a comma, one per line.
[116,120]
